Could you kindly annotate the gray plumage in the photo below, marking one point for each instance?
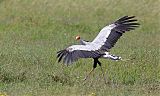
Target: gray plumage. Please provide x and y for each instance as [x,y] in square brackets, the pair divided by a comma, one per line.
[105,40]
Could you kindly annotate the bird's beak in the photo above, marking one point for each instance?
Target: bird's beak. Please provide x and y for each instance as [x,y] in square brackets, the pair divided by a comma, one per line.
[77,37]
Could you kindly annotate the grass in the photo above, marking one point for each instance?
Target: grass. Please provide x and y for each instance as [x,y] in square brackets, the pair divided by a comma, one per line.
[32,31]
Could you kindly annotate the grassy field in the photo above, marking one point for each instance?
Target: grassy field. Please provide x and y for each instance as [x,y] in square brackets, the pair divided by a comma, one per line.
[32,31]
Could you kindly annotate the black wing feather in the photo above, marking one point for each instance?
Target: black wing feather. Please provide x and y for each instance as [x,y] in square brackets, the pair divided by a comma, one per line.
[69,57]
[123,24]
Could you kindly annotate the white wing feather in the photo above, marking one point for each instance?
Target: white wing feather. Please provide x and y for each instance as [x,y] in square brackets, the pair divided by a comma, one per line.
[96,43]
[105,40]
[102,36]
[89,47]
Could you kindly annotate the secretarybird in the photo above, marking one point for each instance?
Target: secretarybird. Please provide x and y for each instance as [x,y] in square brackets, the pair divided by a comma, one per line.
[100,46]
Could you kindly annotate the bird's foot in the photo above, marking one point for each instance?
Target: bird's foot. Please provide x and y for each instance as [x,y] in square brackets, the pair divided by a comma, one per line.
[84,79]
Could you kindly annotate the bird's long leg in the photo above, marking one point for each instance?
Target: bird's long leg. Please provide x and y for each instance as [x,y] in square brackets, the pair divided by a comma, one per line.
[89,74]
[102,72]
[105,81]
[94,66]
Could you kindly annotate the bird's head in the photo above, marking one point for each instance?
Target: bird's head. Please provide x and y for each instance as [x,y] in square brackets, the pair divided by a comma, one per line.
[78,37]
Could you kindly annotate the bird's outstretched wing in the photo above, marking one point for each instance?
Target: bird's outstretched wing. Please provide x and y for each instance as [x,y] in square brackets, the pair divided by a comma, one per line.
[104,41]
[110,34]
[75,52]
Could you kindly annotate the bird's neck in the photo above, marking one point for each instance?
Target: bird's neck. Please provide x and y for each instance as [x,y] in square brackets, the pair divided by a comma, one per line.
[81,40]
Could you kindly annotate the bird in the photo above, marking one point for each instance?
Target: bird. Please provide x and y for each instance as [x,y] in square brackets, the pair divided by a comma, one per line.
[101,46]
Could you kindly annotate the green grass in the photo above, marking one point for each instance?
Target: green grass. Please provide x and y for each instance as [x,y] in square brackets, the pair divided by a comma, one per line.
[32,31]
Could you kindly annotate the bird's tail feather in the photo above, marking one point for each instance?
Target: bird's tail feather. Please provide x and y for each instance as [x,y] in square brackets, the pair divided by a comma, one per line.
[111,56]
